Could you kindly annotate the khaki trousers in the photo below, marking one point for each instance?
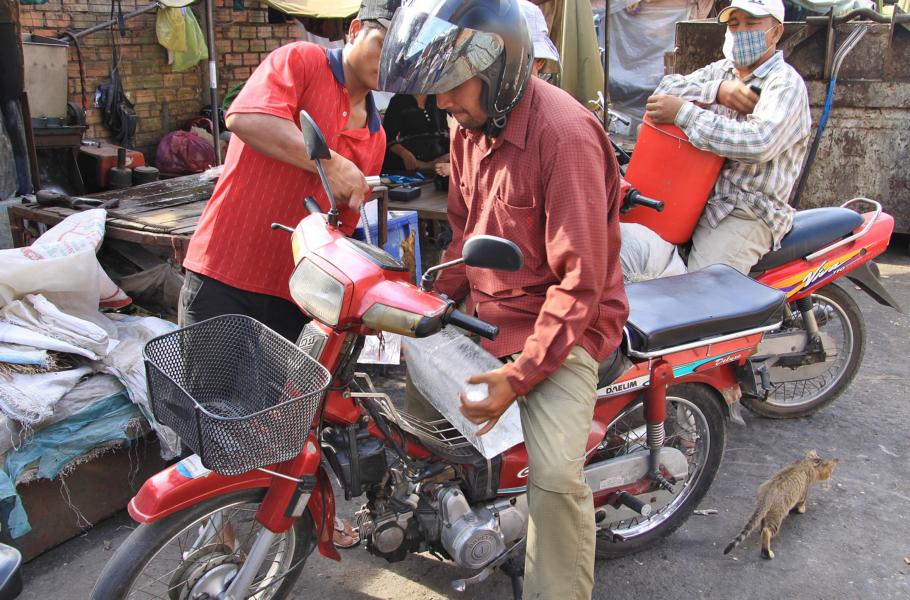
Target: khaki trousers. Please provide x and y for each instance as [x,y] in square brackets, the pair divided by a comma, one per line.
[555,417]
[740,240]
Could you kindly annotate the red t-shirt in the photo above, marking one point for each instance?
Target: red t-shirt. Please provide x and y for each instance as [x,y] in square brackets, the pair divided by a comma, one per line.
[233,242]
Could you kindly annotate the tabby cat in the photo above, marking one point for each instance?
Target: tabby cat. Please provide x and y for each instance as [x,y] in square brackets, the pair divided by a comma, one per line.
[782,493]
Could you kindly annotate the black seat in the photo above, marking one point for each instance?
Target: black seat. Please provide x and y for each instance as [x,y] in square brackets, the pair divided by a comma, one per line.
[715,301]
[812,229]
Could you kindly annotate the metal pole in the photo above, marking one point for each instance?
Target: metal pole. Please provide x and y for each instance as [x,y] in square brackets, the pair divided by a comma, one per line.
[213,76]
[106,24]
[606,60]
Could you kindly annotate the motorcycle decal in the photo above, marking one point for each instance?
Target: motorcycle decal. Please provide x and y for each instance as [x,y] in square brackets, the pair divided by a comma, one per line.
[523,474]
[623,386]
[191,467]
[711,361]
[514,490]
[817,275]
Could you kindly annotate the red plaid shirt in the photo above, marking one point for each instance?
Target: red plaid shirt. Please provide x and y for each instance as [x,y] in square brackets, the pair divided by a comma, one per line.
[550,184]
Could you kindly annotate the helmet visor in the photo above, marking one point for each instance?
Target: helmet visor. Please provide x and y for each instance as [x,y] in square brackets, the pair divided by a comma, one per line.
[423,54]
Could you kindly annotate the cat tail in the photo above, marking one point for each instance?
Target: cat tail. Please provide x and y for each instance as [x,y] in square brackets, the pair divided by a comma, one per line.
[757,516]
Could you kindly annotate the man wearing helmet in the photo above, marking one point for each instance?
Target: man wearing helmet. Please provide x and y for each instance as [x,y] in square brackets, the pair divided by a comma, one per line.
[530,164]
[764,138]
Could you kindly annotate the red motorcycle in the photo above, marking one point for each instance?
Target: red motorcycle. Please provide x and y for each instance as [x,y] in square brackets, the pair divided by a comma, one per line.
[816,353]
[269,419]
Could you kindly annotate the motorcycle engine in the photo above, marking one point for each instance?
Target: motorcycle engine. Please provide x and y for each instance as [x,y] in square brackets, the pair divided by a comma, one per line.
[475,537]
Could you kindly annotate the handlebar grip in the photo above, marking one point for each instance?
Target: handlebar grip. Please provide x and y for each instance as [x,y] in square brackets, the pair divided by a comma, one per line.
[312,206]
[473,324]
[634,198]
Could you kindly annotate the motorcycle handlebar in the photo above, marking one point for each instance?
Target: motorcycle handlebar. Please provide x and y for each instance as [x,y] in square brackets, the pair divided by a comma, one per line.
[473,324]
[311,205]
[634,198]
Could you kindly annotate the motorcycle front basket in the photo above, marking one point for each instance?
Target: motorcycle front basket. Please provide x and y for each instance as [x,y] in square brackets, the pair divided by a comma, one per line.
[237,393]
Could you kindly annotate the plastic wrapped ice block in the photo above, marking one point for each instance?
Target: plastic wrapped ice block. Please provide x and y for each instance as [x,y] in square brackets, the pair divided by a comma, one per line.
[439,366]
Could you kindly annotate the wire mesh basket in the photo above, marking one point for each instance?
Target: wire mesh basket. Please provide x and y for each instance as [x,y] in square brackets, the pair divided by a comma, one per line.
[237,393]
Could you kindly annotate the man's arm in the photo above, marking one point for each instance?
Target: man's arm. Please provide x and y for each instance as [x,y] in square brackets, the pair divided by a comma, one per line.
[278,138]
[699,86]
[779,120]
[264,116]
[578,203]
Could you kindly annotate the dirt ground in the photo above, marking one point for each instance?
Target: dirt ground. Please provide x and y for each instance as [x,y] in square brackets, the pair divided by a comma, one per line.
[852,542]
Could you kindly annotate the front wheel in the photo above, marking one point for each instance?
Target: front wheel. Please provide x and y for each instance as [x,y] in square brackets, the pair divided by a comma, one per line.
[695,426]
[195,553]
[805,390]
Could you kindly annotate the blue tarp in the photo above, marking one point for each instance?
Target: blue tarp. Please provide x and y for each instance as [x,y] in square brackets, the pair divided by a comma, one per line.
[53,447]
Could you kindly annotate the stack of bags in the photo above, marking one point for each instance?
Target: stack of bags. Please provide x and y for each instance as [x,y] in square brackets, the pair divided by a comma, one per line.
[72,380]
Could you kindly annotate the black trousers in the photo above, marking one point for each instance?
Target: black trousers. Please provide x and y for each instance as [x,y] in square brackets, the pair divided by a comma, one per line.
[202,298]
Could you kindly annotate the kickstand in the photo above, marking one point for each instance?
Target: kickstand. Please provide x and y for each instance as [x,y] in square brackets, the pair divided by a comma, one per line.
[515,570]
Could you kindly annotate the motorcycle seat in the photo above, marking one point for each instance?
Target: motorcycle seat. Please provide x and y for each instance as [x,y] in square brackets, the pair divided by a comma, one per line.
[812,229]
[715,301]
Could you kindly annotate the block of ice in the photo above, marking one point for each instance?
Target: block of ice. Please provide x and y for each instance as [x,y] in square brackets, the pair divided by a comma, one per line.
[439,366]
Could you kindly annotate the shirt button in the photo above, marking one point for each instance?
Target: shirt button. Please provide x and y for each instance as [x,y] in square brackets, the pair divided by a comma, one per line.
[344,114]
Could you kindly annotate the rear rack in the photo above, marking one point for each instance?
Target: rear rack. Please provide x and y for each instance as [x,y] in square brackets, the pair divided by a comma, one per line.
[696,344]
[439,435]
[850,238]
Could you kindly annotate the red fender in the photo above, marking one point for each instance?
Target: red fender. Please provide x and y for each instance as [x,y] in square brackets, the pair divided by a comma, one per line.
[188,483]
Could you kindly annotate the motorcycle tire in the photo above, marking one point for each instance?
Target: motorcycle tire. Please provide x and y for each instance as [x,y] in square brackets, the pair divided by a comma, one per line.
[138,552]
[814,399]
[704,403]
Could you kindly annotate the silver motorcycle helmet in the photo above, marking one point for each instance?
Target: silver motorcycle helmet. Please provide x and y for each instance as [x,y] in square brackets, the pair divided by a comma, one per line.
[433,46]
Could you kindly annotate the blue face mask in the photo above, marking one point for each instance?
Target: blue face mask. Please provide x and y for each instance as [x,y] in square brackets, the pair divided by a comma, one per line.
[744,48]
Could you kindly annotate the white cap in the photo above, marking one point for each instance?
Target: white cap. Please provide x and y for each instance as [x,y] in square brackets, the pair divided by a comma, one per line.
[756,8]
[540,36]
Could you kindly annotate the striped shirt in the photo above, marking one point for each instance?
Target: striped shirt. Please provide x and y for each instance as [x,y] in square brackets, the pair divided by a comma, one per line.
[765,149]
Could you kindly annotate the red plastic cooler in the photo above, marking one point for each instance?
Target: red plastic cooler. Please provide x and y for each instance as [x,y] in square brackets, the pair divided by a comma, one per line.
[665,166]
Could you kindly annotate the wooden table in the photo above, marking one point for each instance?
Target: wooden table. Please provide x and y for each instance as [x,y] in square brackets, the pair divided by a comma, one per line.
[161,215]
[431,205]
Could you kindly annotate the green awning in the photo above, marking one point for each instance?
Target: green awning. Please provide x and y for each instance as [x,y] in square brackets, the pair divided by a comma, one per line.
[319,9]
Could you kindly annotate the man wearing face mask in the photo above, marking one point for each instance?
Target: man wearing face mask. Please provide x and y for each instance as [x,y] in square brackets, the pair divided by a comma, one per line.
[764,137]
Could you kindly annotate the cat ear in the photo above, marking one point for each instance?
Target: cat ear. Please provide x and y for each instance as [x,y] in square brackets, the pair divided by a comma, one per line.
[812,454]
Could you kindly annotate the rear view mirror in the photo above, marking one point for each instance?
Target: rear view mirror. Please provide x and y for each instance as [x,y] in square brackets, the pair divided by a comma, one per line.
[490,252]
[316,146]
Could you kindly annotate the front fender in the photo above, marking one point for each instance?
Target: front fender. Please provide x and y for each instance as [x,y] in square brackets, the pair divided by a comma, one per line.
[185,484]
[188,483]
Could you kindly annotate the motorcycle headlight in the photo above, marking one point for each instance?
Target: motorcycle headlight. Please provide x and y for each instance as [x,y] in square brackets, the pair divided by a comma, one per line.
[317,292]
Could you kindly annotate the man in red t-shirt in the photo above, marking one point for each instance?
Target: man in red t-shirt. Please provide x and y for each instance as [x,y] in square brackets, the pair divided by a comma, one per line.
[235,263]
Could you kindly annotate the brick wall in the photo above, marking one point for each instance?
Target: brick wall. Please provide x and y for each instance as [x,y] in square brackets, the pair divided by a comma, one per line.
[163,100]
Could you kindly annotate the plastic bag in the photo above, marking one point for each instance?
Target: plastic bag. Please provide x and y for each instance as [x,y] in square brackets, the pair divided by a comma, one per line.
[638,43]
[645,255]
[182,152]
[170,28]
[196,49]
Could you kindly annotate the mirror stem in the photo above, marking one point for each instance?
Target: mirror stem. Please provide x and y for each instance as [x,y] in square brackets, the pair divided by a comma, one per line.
[429,276]
[333,211]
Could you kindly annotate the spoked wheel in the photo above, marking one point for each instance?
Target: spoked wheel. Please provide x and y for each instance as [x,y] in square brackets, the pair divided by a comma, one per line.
[806,390]
[195,553]
[695,426]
